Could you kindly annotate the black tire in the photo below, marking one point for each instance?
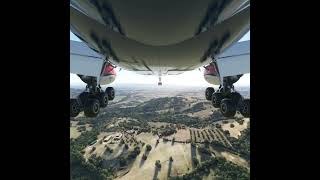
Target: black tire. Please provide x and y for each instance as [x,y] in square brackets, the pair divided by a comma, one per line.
[208,93]
[83,97]
[245,108]
[235,96]
[74,108]
[216,99]
[92,107]
[103,99]
[228,108]
[111,93]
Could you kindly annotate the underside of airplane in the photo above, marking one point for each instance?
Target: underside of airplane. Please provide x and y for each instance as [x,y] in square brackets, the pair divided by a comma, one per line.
[159,37]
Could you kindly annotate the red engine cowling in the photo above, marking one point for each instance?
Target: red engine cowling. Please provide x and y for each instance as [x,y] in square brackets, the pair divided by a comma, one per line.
[211,74]
[108,75]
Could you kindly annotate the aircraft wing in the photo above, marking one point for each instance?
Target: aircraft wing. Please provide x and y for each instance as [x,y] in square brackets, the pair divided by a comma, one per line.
[118,40]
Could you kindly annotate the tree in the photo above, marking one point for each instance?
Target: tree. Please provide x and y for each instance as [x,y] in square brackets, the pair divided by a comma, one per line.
[232,125]
[144,157]
[93,148]
[206,143]
[158,164]
[109,149]
[121,141]
[227,132]
[122,161]
[195,161]
[148,147]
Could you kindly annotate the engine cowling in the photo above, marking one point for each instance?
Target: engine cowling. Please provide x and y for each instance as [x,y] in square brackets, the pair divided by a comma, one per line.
[211,74]
[108,75]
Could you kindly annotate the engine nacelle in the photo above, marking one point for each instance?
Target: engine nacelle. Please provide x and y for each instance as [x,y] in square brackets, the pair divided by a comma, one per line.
[211,74]
[108,75]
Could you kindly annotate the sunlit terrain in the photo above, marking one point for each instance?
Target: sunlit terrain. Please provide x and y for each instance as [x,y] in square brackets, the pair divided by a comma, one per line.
[148,132]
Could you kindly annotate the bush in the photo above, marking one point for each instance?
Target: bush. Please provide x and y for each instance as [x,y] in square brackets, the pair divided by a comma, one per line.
[109,150]
[195,161]
[93,148]
[148,147]
[121,141]
[204,150]
[144,157]
[81,128]
[170,159]
[232,125]
[122,162]
[157,164]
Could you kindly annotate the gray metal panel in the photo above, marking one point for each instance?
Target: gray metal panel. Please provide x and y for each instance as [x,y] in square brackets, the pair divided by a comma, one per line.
[239,48]
[82,49]
[235,60]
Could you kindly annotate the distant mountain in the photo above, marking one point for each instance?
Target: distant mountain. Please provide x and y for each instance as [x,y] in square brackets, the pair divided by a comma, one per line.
[75,90]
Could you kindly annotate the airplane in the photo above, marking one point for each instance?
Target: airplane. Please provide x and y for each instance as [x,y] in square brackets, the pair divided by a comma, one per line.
[159,37]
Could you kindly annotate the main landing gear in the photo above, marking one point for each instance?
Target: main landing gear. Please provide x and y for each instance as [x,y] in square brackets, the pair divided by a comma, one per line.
[228,100]
[91,100]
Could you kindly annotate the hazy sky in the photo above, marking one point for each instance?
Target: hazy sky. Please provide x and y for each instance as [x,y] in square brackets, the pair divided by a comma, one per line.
[193,78]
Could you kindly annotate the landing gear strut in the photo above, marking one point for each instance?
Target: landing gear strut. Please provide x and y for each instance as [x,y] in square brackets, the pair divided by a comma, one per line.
[91,100]
[228,100]
[159,83]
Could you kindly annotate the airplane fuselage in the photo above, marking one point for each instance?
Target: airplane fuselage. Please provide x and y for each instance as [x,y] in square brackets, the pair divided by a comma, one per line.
[159,37]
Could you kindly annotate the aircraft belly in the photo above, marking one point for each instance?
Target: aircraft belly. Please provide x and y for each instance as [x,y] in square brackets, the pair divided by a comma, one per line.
[156,22]
[133,55]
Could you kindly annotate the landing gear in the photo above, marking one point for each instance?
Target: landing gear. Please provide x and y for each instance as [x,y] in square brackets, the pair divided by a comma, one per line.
[245,108]
[103,99]
[110,92]
[216,99]
[159,83]
[228,107]
[209,92]
[228,100]
[92,107]
[91,100]
[74,108]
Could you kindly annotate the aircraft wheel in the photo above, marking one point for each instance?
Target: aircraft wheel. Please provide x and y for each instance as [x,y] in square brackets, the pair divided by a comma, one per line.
[209,92]
[216,99]
[83,97]
[111,93]
[227,107]
[245,108]
[235,96]
[92,107]
[74,108]
[103,99]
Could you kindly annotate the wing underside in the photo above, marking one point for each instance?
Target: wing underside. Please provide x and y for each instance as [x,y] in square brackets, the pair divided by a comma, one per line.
[124,50]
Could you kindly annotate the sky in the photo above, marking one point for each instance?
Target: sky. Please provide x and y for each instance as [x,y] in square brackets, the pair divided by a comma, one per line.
[189,78]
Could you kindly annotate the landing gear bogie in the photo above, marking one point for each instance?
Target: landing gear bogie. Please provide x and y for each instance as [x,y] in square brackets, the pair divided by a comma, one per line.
[92,107]
[103,99]
[228,107]
[74,108]
[245,108]
[209,92]
[91,101]
[216,99]
[110,92]
[229,101]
